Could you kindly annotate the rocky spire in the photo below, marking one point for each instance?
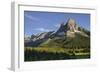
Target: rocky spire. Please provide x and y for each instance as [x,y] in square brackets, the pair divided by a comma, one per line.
[61,31]
[71,25]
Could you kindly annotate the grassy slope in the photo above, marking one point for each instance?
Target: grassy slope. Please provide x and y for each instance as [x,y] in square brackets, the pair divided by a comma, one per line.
[76,42]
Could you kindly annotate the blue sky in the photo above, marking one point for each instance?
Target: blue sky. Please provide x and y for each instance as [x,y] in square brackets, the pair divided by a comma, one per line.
[36,22]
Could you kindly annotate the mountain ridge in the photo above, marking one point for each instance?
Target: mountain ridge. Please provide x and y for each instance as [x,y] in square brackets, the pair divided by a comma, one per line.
[65,33]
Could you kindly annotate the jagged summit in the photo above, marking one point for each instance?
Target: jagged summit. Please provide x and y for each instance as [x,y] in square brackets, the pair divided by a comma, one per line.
[61,31]
[71,25]
[69,29]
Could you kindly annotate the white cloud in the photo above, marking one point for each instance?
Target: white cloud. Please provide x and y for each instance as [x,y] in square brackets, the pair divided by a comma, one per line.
[42,29]
[31,17]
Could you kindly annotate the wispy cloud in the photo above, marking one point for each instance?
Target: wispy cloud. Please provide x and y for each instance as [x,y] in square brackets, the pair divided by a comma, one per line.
[31,17]
[57,25]
[42,29]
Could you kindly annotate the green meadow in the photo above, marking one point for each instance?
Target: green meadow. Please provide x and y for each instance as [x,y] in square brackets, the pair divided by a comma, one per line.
[46,53]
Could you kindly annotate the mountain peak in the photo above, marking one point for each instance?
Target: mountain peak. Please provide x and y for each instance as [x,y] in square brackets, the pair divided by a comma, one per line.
[70,29]
[61,31]
[71,25]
